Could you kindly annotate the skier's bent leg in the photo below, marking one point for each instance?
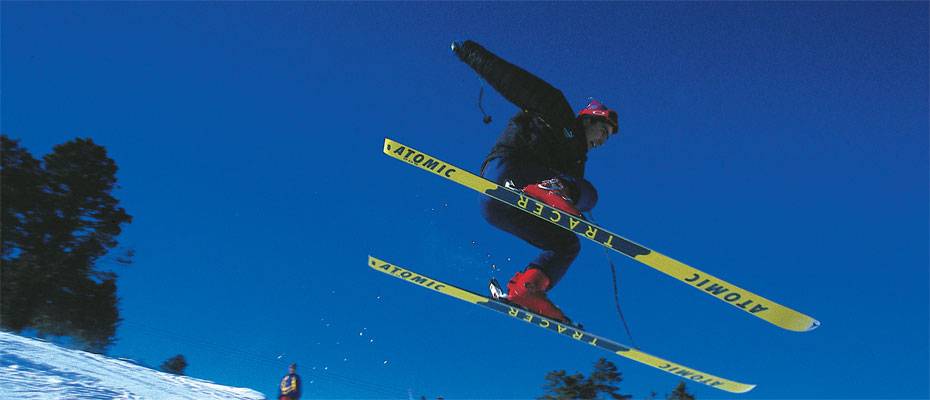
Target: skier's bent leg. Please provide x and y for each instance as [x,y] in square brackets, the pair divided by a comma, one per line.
[559,246]
[555,262]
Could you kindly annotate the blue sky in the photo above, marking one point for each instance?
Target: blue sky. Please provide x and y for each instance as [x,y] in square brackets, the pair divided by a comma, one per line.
[780,146]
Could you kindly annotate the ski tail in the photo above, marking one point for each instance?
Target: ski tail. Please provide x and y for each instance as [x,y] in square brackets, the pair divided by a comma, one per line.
[575,333]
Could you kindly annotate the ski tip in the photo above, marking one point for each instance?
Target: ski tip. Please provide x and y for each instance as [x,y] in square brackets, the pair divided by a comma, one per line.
[803,326]
[745,389]
[814,325]
[800,323]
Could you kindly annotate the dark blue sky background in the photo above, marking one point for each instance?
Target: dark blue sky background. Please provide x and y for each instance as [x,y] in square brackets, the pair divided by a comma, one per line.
[780,146]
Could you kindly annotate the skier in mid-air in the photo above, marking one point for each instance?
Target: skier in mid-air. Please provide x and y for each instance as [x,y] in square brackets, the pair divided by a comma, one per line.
[542,151]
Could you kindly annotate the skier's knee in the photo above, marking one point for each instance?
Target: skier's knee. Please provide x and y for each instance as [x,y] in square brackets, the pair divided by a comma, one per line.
[572,246]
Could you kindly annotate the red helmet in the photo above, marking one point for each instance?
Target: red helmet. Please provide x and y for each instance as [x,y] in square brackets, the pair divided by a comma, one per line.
[597,110]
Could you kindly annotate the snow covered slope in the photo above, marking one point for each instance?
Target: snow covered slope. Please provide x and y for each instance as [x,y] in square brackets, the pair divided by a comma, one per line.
[33,369]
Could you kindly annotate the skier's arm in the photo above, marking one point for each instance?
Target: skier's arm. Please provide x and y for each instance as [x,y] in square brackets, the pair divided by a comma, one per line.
[518,86]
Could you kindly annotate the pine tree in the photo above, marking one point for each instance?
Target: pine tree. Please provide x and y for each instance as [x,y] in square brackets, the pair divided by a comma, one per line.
[604,379]
[59,218]
[680,393]
[174,365]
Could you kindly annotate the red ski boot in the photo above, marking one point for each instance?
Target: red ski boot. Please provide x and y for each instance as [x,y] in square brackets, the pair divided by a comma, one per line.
[527,289]
[553,193]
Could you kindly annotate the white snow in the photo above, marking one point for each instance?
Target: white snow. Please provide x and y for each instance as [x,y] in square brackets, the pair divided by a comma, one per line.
[34,369]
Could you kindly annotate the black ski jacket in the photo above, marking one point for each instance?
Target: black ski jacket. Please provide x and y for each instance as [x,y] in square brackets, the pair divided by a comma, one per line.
[545,131]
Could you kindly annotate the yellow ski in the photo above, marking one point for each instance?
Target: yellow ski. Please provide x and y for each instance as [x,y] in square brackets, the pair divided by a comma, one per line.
[740,298]
[567,330]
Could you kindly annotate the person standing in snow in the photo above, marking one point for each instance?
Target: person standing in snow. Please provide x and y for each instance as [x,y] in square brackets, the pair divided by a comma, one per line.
[290,384]
[542,151]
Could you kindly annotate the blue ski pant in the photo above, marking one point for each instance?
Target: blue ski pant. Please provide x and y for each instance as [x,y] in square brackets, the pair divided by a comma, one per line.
[559,247]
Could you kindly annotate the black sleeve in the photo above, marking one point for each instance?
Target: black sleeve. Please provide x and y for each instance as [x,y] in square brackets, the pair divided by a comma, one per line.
[518,86]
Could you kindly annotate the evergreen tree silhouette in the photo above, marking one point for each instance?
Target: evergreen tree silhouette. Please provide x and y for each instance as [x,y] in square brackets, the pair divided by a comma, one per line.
[603,380]
[58,219]
[680,393]
[175,365]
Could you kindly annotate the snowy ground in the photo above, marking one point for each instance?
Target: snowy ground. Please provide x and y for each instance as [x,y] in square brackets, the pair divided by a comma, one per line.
[33,369]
